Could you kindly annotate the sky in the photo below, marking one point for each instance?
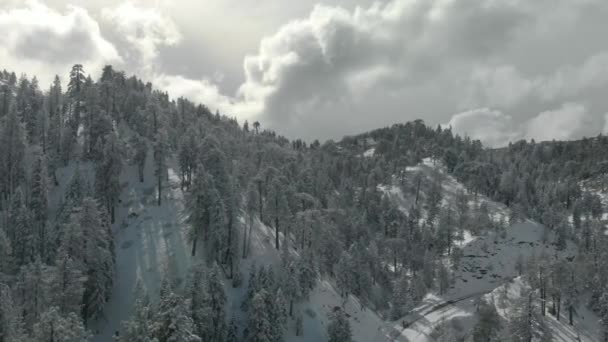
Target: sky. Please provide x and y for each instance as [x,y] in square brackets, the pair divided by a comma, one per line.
[495,70]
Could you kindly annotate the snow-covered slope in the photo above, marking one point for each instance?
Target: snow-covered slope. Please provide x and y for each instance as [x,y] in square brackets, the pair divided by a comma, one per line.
[150,244]
[586,327]
[487,265]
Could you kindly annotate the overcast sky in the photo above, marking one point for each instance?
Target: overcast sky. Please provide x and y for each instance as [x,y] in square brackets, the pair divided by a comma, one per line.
[497,70]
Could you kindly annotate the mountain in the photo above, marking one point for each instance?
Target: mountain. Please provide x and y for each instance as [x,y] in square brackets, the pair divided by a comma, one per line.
[127,214]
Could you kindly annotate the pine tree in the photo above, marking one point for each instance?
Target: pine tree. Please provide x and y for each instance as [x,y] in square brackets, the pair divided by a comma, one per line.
[604,315]
[160,161]
[291,284]
[338,329]
[141,151]
[11,324]
[488,326]
[68,284]
[6,253]
[173,321]
[402,300]
[217,302]
[251,206]
[54,327]
[75,92]
[39,204]
[33,286]
[527,324]
[12,149]
[277,206]
[199,302]
[97,258]
[259,326]
[139,327]
[107,175]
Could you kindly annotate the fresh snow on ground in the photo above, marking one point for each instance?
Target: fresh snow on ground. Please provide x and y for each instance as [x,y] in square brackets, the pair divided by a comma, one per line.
[488,262]
[585,327]
[150,244]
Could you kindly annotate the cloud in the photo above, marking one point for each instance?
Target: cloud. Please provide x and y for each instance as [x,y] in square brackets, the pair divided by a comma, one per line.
[492,127]
[144,30]
[560,124]
[341,70]
[407,59]
[323,58]
[203,91]
[495,128]
[41,41]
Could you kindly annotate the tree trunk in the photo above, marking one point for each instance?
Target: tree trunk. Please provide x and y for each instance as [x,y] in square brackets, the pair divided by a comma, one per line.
[244,254]
[194,246]
[570,314]
[418,190]
[276,231]
[159,187]
[559,306]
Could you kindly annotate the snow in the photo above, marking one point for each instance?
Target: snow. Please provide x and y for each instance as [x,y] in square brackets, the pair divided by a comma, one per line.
[488,264]
[150,244]
[369,153]
[486,267]
[585,329]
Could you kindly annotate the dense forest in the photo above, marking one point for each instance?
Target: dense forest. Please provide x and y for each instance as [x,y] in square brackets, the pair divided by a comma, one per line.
[323,201]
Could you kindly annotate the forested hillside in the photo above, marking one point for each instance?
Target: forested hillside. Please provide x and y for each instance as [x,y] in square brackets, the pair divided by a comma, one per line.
[384,219]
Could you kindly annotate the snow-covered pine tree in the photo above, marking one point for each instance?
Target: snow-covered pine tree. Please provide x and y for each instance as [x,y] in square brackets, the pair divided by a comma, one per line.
[67,286]
[55,327]
[6,254]
[12,151]
[527,324]
[401,300]
[141,152]
[338,329]
[139,327]
[232,335]
[11,324]
[107,174]
[161,151]
[173,322]
[98,259]
[34,290]
[488,326]
[216,301]
[39,204]
[259,326]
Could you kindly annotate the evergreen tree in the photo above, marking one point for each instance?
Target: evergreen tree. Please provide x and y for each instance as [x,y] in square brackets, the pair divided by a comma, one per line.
[12,151]
[487,327]
[11,325]
[160,160]
[259,326]
[338,329]
[39,204]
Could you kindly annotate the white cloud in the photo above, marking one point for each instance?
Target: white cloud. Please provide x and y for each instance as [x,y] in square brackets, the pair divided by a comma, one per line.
[144,29]
[559,124]
[41,41]
[203,91]
[492,127]
[495,128]
[338,71]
